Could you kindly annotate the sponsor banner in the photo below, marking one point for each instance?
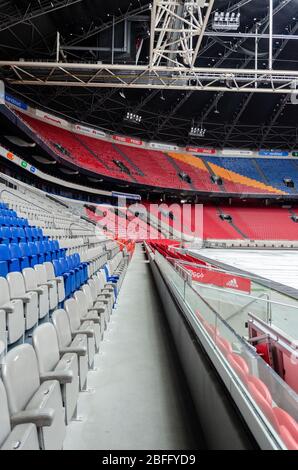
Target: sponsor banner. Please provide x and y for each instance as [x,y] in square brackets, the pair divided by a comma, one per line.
[13,158]
[89,131]
[220,279]
[159,146]
[51,119]
[135,197]
[237,153]
[277,153]
[201,150]
[15,102]
[127,140]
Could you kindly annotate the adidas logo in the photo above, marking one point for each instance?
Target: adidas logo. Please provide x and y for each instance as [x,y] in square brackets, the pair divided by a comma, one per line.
[233,283]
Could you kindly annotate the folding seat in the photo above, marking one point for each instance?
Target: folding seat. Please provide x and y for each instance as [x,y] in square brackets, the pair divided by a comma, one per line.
[41,251]
[73,269]
[51,276]
[263,404]
[30,299]
[16,252]
[54,252]
[68,272]
[18,234]
[61,251]
[34,234]
[33,397]
[77,345]
[42,280]
[288,428]
[5,235]
[28,233]
[64,369]
[110,288]
[84,267]
[94,316]
[104,299]
[14,262]
[2,221]
[47,251]
[31,284]
[39,234]
[78,326]
[59,273]
[4,259]
[21,437]
[33,257]
[239,365]
[261,387]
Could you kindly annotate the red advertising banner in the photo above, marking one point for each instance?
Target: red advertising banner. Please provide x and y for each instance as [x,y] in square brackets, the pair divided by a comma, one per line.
[220,279]
[127,140]
[201,150]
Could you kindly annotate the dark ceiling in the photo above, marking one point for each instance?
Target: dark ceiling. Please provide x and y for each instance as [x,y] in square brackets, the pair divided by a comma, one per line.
[231,120]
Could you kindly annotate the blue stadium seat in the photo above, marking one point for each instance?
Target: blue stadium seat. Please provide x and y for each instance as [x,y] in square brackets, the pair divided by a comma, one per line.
[5,235]
[4,258]
[34,259]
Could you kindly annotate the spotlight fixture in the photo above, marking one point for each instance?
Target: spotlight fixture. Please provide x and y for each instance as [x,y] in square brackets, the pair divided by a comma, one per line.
[133,118]
[121,93]
[197,131]
[226,21]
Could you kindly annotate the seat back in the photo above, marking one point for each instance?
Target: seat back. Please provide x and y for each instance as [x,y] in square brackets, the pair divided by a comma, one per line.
[61,323]
[20,376]
[4,291]
[71,308]
[87,291]
[5,427]
[16,284]
[41,273]
[30,278]
[46,347]
[82,303]
[50,270]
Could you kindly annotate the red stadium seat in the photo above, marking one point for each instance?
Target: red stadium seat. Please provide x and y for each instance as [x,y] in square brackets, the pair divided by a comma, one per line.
[239,365]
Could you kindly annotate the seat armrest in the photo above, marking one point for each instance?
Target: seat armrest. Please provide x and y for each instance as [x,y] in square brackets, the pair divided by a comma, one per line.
[97,309]
[79,351]
[49,284]
[95,319]
[7,308]
[63,377]
[37,417]
[38,291]
[88,333]
[23,298]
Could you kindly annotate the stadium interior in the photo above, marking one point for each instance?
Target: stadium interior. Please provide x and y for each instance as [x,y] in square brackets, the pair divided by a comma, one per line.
[148,225]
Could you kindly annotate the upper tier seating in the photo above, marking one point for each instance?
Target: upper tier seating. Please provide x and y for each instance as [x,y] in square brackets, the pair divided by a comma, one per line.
[154,168]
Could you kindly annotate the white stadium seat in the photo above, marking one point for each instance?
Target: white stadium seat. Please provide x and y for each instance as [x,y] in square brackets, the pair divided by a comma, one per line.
[93,316]
[64,369]
[78,326]
[14,315]
[21,437]
[30,299]
[32,398]
[67,344]
[59,281]
[32,284]
[43,280]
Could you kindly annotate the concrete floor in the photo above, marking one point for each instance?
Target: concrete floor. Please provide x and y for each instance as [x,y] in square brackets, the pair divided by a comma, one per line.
[140,400]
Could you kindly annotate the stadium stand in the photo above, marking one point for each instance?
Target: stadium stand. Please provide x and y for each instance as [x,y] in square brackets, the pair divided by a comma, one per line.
[58,287]
[154,168]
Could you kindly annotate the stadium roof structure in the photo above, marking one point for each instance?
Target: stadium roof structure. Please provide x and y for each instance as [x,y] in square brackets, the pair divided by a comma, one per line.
[167,61]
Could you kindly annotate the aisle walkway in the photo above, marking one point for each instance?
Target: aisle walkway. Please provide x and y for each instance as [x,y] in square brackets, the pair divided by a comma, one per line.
[140,401]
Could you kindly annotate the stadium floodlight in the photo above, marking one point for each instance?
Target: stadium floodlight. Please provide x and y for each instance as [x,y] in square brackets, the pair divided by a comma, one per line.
[226,21]
[133,118]
[199,131]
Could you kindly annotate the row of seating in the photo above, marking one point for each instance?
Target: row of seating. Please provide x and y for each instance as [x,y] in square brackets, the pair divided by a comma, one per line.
[283,423]
[36,407]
